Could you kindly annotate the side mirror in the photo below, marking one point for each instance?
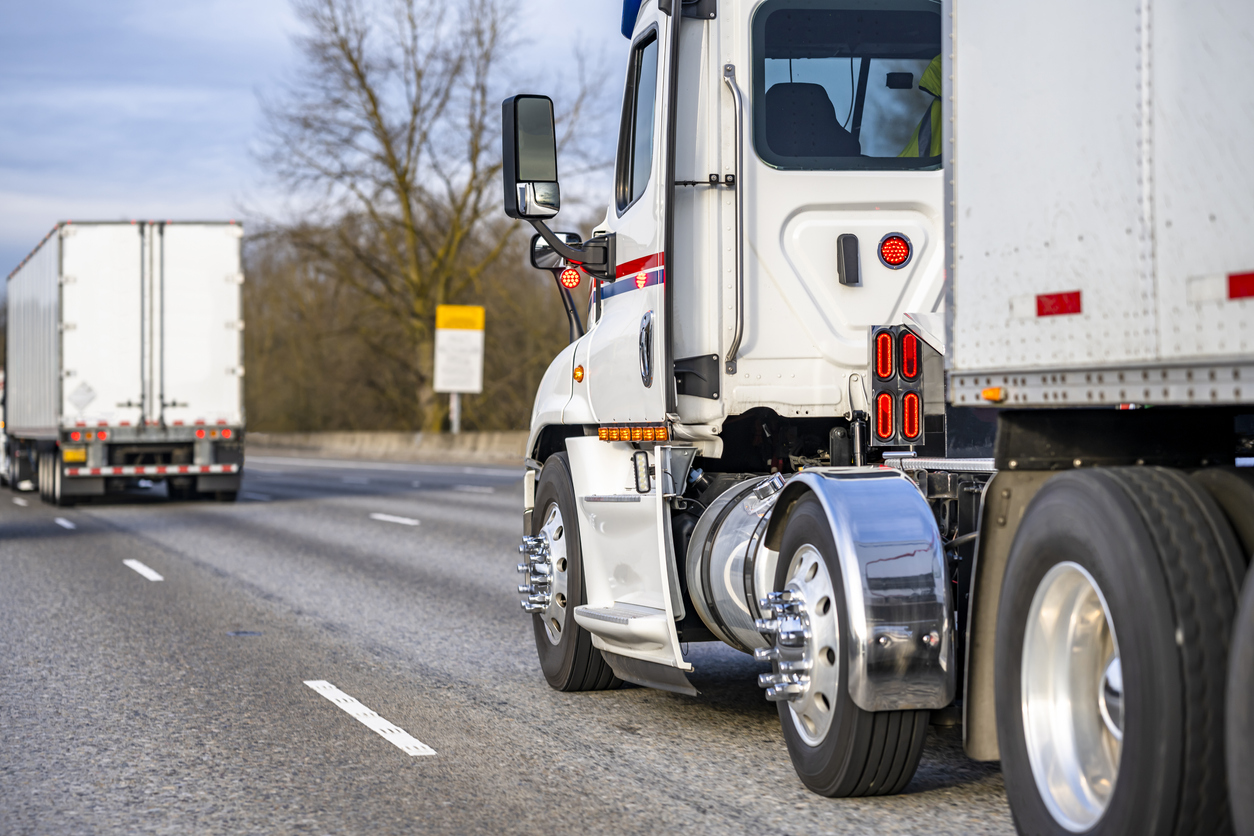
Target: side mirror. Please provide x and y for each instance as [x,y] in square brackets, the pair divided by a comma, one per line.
[529,157]
[544,257]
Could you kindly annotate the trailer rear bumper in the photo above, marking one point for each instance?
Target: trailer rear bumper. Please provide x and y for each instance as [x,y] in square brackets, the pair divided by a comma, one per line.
[154,470]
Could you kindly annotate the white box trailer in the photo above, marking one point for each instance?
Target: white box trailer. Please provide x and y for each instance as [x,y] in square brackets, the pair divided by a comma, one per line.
[124,360]
[1099,196]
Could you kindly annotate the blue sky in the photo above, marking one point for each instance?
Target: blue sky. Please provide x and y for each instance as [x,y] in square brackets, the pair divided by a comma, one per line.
[143,109]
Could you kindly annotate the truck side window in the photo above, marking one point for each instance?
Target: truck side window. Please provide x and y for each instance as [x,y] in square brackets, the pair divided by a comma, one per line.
[635,138]
[843,84]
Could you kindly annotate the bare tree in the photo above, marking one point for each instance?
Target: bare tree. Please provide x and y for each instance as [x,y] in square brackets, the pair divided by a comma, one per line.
[392,135]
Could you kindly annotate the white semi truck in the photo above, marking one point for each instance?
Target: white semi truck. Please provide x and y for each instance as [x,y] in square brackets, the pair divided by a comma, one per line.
[917,361]
[124,361]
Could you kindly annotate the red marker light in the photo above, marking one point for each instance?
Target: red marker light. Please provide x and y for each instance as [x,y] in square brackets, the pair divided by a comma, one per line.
[884,416]
[883,355]
[76,436]
[642,279]
[895,250]
[570,278]
[909,356]
[102,435]
[911,415]
[226,433]
[200,433]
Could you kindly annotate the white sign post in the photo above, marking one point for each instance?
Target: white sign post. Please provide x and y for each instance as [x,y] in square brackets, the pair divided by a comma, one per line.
[458,355]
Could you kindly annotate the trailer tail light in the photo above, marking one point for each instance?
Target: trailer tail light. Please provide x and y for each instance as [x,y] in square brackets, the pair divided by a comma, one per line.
[895,250]
[76,436]
[911,416]
[200,433]
[909,356]
[226,433]
[884,428]
[102,435]
[884,355]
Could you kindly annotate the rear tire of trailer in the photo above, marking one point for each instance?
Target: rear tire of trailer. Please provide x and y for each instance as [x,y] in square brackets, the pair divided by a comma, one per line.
[567,657]
[1240,714]
[855,752]
[58,497]
[1112,643]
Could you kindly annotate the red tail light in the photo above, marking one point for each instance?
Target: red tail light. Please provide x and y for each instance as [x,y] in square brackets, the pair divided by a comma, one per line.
[570,278]
[200,433]
[883,355]
[895,250]
[226,433]
[884,416]
[909,356]
[911,416]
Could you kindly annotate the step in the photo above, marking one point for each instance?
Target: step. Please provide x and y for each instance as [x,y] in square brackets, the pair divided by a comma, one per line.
[628,624]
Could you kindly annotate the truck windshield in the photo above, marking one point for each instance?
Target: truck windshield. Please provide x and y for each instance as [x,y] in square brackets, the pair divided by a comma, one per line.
[842,84]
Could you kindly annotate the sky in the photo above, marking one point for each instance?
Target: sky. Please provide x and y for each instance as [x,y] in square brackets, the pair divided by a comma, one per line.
[143,109]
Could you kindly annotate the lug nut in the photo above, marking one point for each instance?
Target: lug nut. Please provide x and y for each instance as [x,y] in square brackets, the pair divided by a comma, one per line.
[766,654]
[767,625]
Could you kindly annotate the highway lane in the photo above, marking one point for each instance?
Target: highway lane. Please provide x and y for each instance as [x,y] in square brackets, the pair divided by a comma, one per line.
[180,705]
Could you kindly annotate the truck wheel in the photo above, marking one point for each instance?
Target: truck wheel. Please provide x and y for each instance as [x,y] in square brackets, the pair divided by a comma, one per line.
[837,749]
[1241,714]
[569,660]
[1112,646]
[58,496]
[43,478]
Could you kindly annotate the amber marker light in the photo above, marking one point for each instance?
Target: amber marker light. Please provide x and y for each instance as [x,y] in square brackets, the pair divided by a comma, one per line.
[996,394]
[579,374]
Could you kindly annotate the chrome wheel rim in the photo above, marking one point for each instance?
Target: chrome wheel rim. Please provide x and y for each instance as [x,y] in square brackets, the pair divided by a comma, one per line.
[553,532]
[810,582]
[1073,699]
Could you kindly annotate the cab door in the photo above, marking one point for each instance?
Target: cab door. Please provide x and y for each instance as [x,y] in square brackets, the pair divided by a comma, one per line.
[629,375]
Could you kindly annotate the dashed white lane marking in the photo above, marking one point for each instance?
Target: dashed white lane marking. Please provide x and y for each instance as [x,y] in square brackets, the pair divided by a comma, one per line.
[17,500]
[259,497]
[64,523]
[392,519]
[142,569]
[398,737]
[473,489]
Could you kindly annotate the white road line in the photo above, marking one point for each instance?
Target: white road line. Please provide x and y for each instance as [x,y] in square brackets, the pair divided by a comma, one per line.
[64,523]
[473,489]
[17,500]
[260,497]
[392,519]
[142,569]
[398,737]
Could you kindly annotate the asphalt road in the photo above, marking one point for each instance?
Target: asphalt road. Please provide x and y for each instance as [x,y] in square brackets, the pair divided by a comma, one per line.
[180,706]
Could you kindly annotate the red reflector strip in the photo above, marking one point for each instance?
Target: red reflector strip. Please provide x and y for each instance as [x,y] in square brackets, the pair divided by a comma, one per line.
[883,355]
[909,356]
[883,416]
[1057,304]
[911,420]
[151,470]
[1240,285]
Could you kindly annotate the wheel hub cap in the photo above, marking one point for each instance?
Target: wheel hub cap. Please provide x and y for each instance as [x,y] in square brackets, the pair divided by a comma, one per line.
[546,570]
[1073,696]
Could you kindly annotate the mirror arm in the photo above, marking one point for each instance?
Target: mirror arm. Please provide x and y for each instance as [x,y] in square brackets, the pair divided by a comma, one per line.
[595,257]
[572,315]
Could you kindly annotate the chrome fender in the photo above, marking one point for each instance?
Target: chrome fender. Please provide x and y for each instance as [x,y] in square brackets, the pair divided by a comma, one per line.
[900,642]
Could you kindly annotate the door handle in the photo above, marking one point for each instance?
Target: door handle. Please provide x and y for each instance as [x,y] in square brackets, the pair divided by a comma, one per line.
[646,349]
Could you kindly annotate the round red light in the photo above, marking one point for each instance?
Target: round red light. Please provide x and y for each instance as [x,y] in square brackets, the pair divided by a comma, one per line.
[102,435]
[570,278]
[200,433]
[76,436]
[895,250]
[226,433]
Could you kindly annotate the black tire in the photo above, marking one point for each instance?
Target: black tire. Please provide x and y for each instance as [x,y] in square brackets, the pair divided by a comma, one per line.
[864,752]
[1240,714]
[572,664]
[58,496]
[42,479]
[1168,568]
[224,496]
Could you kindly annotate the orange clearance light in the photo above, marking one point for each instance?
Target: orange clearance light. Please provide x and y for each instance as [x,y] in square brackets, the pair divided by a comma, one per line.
[578,374]
[883,355]
[570,278]
[911,415]
[894,251]
[603,433]
[884,416]
[642,279]
[996,394]
[637,433]
[661,433]
[615,433]
[649,433]
[226,433]
[909,356]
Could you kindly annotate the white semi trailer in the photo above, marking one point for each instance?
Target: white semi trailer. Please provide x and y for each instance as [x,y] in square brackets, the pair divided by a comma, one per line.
[124,361]
[917,363]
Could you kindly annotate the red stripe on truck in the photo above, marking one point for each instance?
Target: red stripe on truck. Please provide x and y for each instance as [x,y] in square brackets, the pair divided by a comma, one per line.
[1057,304]
[1240,285]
